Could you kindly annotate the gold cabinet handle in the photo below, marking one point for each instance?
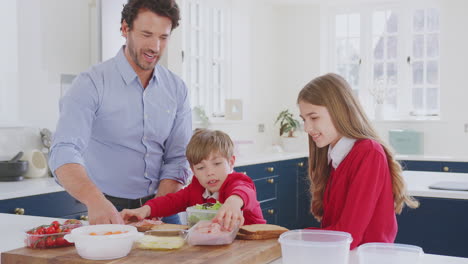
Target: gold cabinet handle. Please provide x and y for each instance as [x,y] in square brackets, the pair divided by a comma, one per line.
[270,169]
[271,211]
[446,168]
[300,164]
[271,180]
[84,217]
[19,211]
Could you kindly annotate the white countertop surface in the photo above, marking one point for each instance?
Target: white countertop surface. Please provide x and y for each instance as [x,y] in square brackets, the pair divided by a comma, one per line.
[417,181]
[12,238]
[432,158]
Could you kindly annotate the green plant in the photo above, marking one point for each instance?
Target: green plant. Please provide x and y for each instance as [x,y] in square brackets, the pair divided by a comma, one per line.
[201,115]
[288,124]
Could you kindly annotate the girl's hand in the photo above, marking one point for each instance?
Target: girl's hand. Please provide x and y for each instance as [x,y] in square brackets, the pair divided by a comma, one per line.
[230,213]
[134,215]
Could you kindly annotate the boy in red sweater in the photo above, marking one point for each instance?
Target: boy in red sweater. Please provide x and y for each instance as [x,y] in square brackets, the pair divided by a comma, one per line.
[356,183]
[211,158]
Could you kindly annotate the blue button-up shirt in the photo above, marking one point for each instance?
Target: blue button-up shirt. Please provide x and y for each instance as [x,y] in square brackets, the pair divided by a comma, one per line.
[128,138]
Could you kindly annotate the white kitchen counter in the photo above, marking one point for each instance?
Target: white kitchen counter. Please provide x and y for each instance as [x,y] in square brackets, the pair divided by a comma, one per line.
[28,187]
[432,158]
[417,181]
[13,226]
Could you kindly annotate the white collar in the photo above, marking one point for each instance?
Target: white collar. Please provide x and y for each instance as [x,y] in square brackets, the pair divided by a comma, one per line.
[207,195]
[337,154]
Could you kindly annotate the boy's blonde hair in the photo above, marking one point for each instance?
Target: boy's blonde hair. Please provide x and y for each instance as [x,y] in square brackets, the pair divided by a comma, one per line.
[348,117]
[204,142]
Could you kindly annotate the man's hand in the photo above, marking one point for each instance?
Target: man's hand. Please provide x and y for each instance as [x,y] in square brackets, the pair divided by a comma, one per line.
[133,215]
[103,212]
[230,214]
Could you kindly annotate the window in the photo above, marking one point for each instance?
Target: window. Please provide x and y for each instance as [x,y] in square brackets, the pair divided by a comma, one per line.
[390,57]
[206,61]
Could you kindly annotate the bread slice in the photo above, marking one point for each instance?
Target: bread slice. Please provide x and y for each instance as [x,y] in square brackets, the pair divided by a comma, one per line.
[262,229]
[169,226]
[256,236]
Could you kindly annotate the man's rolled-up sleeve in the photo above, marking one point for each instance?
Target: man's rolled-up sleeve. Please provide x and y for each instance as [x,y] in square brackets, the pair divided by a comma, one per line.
[175,165]
[77,114]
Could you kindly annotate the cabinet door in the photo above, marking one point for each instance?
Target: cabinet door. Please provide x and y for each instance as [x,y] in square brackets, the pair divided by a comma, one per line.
[305,217]
[439,226]
[266,179]
[270,211]
[287,198]
[51,205]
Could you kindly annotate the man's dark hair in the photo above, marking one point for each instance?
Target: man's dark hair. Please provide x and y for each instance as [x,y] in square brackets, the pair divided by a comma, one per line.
[165,8]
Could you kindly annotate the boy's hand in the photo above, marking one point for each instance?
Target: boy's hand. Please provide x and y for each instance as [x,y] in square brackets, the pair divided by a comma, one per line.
[133,215]
[230,213]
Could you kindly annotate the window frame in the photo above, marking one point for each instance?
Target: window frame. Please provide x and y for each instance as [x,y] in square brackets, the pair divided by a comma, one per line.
[404,49]
[207,91]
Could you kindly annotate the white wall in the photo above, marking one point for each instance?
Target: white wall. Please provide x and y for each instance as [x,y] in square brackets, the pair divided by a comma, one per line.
[54,37]
[276,50]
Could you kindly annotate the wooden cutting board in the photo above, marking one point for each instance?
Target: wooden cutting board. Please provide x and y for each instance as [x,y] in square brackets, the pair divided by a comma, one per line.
[240,251]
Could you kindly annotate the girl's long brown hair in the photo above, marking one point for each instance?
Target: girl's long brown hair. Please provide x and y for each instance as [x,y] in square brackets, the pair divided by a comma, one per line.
[348,117]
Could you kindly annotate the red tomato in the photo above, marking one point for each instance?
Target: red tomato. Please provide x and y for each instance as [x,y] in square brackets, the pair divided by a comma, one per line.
[49,242]
[60,241]
[40,230]
[55,224]
[50,230]
[40,243]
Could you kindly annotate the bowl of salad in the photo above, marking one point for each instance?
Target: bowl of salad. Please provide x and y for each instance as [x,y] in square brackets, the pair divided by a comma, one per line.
[206,211]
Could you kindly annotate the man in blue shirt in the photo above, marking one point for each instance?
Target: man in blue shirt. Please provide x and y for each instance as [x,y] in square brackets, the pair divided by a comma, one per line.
[125,123]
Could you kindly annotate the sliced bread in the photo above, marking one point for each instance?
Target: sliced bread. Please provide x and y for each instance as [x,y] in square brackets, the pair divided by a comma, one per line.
[260,231]
[169,226]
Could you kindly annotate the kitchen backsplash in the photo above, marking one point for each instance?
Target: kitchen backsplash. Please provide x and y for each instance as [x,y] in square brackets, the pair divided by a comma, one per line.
[15,139]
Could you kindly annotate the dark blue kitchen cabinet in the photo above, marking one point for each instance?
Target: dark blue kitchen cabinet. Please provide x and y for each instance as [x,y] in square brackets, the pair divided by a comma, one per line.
[444,166]
[282,190]
[439,226]
[305,217]
[266,179]
[57,204]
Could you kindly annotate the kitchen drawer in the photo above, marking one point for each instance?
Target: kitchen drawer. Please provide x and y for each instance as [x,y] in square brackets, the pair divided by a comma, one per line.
[267,188]
[416,165]
[270,211]
[56,204]
[259,170]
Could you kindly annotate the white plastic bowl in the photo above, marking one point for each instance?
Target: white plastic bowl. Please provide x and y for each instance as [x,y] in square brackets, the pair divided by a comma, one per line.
[389,253]
[101,247]
[315,246]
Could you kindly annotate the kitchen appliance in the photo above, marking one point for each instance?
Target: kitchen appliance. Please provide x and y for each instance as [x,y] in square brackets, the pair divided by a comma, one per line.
[14,169]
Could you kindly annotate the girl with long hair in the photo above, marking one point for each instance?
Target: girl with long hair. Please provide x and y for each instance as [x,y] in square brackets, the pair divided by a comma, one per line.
[356,183]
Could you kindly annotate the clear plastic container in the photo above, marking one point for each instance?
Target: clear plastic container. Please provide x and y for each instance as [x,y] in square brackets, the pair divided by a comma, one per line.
[315,246]
[54,240]
[207,233]
[389,253]
[162,239]
[194,215]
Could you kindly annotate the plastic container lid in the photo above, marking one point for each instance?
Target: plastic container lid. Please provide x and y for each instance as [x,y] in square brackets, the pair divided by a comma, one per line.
[389,253]
[315,238]
[389,248]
